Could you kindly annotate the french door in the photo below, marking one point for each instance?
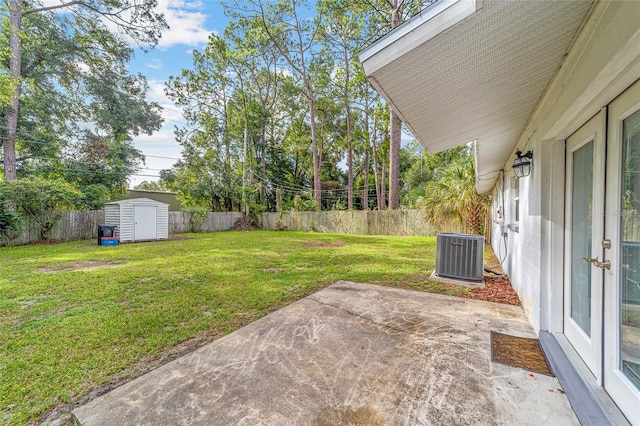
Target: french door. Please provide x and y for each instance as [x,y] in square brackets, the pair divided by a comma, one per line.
[584,225]
[602,249]
[622,281]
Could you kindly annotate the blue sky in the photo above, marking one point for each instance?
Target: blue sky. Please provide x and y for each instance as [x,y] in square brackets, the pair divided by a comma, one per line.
[191,22]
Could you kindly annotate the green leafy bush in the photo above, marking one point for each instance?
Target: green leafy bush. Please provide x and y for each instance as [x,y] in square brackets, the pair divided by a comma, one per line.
[94,197]
[41,200]
[10,222]
[199,215]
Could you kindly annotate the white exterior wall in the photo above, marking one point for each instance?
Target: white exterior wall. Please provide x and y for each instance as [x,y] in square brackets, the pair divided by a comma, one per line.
[602,63]
[127,224]
[523,241]
[162,222]
[112,217]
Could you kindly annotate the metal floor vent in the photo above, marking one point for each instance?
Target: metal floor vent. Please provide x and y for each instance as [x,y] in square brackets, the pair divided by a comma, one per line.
[460,256]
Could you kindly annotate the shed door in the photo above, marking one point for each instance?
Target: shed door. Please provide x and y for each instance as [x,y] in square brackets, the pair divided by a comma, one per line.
[145,223]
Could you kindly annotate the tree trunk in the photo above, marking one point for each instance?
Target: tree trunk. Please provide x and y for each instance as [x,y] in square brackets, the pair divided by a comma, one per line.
[349,159]
[383,189]
[347,106]
[317,183]
[396,134]
[395,130]
[15,71]
[374,146]
[263,165]
[365,192]
[244,170]
[228,200]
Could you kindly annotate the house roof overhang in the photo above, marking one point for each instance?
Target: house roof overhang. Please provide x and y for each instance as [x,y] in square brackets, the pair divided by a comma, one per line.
[473,71]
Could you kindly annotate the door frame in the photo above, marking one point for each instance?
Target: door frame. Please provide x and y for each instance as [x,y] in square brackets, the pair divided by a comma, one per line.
[589,348]
[615,384]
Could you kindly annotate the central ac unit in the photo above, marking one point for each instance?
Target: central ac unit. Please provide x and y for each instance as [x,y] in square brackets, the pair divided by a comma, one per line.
[460,256]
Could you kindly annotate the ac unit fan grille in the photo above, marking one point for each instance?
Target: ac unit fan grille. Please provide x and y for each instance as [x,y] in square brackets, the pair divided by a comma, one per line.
[460,256]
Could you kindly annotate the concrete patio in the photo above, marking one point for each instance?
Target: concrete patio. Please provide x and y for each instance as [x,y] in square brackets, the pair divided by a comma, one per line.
[351,354]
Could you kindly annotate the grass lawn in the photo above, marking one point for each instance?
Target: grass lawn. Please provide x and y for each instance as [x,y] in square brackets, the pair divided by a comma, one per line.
[76,318]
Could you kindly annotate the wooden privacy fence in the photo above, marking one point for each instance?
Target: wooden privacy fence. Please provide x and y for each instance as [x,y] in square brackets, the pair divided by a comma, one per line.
[76,225]
[363,222]
[73,225]
[180,222]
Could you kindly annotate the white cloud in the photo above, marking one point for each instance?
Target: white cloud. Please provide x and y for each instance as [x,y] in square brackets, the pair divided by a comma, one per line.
[171,113]
[186,20]
[163,138]
[186,23]
[155,64]
[161,152]
[284,71]
[163,142]
[156,92]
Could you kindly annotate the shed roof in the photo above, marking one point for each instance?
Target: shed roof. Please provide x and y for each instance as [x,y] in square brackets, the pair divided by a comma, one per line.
[473,71]
[146,201]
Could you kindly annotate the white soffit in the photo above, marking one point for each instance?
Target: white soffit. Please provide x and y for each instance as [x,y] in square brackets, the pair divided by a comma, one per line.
[468,71]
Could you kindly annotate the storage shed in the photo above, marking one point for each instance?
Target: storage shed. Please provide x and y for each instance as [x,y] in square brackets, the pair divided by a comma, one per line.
[138,219]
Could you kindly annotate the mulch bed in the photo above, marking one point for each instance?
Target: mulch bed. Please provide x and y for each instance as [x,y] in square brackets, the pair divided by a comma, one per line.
[497,289]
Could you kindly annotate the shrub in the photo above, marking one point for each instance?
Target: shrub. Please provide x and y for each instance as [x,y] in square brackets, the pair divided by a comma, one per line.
[10,222]
[199,215]
[94,197]
[41,200]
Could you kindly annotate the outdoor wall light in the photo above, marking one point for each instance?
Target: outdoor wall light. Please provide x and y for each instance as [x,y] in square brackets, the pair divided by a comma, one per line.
[522,164]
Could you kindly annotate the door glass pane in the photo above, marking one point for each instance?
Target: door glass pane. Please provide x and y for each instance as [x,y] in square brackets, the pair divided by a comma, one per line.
[581,208]
[629,321]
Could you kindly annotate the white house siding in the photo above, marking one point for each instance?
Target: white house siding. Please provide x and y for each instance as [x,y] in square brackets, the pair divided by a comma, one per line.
[603,61]
[552,235]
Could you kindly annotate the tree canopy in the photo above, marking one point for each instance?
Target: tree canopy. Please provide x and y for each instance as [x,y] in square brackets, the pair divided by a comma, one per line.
[279,102]
[278,111]
[68,80]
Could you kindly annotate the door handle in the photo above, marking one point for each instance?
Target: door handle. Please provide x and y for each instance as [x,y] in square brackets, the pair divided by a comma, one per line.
[605,264]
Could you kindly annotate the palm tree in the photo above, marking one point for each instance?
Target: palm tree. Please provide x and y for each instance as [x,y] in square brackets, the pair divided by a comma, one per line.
[453,196]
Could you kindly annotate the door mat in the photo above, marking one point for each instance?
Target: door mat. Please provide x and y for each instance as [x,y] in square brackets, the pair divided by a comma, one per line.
[519,352]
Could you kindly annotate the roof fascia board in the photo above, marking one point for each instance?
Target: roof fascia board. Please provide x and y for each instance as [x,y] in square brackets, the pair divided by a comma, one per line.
[620,73]
[405,122]
[424,26]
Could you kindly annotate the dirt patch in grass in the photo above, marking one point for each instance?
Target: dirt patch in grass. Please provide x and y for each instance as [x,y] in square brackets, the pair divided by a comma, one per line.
[178,238]
[497,289]
[324,244]
[80,265]
[45,242]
